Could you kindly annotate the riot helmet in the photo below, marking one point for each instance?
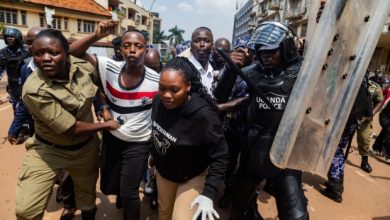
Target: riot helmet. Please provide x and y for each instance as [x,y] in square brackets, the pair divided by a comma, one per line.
[271,35]
[13,32]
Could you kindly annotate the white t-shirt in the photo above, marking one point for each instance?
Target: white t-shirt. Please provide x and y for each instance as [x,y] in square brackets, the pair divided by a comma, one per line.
[131,107]
[206,75]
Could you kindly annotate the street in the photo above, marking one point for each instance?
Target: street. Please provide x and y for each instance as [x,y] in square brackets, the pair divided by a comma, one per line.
[366,196]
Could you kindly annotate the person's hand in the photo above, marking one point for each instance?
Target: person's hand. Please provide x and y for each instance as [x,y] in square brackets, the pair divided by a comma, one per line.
[105,28]
[205,207]
[112,124]
[238,56]
[106,114]
[12,139]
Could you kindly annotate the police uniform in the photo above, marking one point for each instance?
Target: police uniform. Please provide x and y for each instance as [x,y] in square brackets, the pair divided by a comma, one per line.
[55,106]
[362,107]
[365,124]
[276,84]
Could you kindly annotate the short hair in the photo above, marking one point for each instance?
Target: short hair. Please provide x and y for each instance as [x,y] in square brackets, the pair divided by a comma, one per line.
[116,41]
[202,28]
[133,30]
[54,34]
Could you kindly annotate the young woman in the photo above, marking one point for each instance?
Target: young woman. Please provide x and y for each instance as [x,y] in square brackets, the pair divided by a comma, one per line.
[189,151]
[59,97]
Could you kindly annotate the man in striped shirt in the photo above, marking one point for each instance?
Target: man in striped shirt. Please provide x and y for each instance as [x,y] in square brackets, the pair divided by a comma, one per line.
[129,87]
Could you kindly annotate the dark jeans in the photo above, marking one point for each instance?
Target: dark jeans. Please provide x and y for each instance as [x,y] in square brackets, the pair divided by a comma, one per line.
[122,166]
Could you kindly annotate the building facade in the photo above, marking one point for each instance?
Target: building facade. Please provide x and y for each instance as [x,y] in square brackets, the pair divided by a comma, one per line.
[74,18]
[296,14]
[243,21]
[134,16]
[77,18]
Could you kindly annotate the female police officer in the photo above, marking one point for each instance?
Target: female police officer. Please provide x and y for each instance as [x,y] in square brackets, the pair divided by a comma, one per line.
[59,97]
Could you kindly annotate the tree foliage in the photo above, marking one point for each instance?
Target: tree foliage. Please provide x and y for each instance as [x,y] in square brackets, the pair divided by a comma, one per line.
[160,36]
[176,36]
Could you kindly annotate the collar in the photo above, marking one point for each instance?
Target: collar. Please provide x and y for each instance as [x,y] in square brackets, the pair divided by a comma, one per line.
[32,65]
[199,67]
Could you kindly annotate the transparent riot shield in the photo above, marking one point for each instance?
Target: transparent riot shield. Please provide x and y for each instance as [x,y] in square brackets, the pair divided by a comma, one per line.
[335,62]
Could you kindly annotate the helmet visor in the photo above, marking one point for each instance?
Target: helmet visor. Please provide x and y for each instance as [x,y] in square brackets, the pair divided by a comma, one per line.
[268,36]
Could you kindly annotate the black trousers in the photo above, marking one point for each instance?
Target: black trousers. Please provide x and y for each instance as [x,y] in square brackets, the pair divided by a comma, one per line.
[256,166]
[236,142]
[122,167]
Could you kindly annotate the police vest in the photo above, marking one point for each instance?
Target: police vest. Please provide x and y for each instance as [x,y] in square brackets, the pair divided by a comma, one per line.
[14,62]
[362,106]
[277,89]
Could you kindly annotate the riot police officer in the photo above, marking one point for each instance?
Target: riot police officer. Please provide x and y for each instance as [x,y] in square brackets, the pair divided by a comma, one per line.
[11,60]
[279,64]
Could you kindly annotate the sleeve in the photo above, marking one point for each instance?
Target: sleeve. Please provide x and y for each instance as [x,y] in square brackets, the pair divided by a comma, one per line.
[225,84]
[218,155]
[21,116]
[379,95]
[48,110]
[97,79]
[2,64]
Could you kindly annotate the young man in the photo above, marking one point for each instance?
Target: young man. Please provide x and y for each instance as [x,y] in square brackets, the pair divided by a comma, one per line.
[201,45]
[129,87]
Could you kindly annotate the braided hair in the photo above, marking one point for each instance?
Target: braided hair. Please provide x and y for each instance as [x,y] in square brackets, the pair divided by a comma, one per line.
[191,75]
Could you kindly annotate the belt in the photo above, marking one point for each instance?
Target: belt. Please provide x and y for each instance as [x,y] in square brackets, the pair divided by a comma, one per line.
[63,147]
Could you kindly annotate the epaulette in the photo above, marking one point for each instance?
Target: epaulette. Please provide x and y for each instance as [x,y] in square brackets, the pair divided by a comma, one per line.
[34,83]
[85,67]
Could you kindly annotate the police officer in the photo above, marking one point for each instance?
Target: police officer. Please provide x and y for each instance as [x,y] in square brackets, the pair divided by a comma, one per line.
[11,60]
[21,115]
[59,97]
[362,108]
[274,44]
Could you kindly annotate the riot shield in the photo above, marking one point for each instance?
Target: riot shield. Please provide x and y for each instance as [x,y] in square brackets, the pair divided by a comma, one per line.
[337,57]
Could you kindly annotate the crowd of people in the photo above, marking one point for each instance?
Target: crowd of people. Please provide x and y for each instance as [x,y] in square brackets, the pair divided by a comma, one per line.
[193,125]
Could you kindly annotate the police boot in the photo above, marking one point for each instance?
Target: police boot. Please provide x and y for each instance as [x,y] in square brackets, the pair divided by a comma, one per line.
[118,202]
[252,212]
[88,214]
[365,165]
[334,190]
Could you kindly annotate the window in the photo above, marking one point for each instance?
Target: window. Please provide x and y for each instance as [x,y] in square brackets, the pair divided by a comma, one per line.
[138,19]
[88,26]
[56,23]
[122,12]
[79,25]
[8,16]
[144,20]
[130,14]
[65,24]
[41,20]
[24,17]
